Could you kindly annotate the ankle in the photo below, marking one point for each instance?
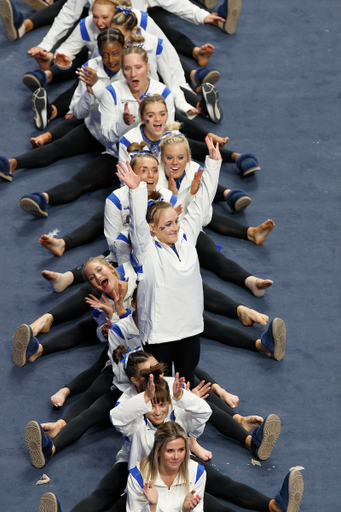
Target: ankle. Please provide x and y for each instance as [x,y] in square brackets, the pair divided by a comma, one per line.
[54,114]
[47,197]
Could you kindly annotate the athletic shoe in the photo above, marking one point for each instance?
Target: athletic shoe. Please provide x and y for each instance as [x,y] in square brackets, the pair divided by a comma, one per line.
[39,444]
[37,5]
[5,167]
[274,338]
[203,76]
[41,109]
[24,345]
[238,200]
[265,436]
[290,495]
[211,97]
[229,10]
[247,164]
[35,204]
[49,503]
[35,79]
[11,18]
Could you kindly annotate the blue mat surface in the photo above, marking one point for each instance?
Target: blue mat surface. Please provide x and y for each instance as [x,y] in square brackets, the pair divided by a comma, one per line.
[280,91]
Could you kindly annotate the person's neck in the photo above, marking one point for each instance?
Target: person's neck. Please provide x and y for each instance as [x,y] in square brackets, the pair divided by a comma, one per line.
[124,285]
[168,476]
[142,90]
[151,136]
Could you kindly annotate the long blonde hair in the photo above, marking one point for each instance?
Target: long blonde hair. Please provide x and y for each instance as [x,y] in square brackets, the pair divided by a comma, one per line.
[167,432]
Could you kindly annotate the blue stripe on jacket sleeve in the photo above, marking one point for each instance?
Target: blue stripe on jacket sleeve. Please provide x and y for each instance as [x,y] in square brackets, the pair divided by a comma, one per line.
[115,200]
[137,475]
[166,92]
[112,92]
[84,30]
[159,48]
[144,20]
[200,472]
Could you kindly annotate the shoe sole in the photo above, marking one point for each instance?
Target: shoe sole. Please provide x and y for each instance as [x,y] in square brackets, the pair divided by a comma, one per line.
[48,503]
[6,16]
[37,5]
[211,78]
[211,97]
[271,431]
[279,333]
[6,177]
[250,171]
[31,82]
[39,106]
[21,339]
[296,487]
[242,203]
[233,10]
[30,206]
[34,444]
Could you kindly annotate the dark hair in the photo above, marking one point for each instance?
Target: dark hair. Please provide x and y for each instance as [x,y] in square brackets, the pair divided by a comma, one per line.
[134,360]
[110,35]
[162,393]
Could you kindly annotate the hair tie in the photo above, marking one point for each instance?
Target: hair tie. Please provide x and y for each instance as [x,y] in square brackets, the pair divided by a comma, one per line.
[134,153]
[124,8]
[129,43]
[152,201]
[125,357]
[173,132]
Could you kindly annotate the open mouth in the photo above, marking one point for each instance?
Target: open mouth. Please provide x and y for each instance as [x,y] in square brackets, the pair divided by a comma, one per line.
[103,282]
[150,184]
[135,83]
[157,126]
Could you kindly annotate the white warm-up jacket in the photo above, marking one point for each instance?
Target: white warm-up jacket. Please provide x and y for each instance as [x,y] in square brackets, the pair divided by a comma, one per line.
[169,499]
[117,208]
[170,295]
[85,105]
[128,417]
[126,273]
[112,105]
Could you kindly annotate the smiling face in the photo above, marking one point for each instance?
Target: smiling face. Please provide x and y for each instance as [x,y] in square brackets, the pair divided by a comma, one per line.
[102,15]
[111,54]
[155,117]
[101,277]
[173,455]
[150,171]
[135,71]
[175,158]
[167,227]
[159,413]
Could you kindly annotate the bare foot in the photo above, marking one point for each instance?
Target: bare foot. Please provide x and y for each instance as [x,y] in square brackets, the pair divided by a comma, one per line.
[42,139]
[44,59]
[250,316]
[55,245]
[59,282]
[248,422]
[228,398]
[42,324]
[52,429]
[273,507]
[258,235]
[260,347]
[257,285]
[198,450]
[221,140]
[58,399]
[36,355]
[203,54]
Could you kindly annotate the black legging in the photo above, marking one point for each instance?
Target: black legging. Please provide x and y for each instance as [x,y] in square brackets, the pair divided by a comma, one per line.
[92,409]
[185,355]
[47,15]
[212,259]
[95,175]
[69,138]
[86,233]
[62,102]
[112,485]
[227,335]
[181,43]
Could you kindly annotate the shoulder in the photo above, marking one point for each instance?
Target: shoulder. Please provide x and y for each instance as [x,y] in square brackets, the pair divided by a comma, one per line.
[160,88]
[196,471]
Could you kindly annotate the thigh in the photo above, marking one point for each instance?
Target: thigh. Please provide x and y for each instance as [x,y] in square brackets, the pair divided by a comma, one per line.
[186,357]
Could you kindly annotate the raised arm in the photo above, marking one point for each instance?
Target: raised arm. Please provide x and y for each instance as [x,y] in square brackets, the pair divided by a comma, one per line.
[199,206]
